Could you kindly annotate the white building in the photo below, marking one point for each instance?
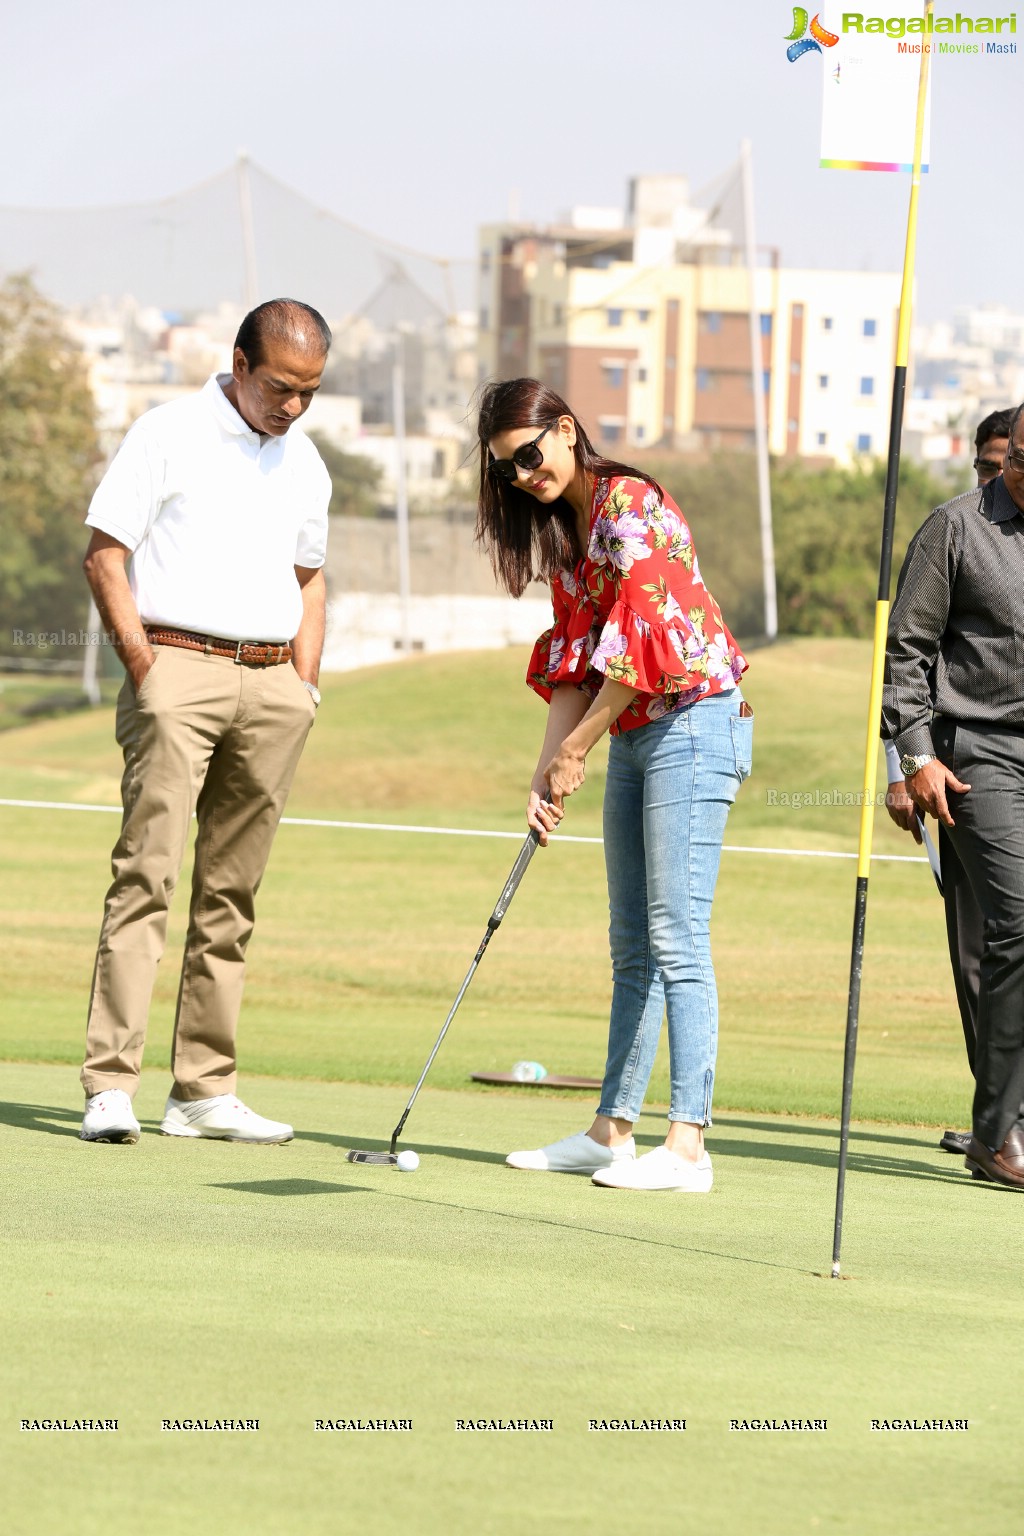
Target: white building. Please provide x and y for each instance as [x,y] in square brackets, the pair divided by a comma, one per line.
[644,325]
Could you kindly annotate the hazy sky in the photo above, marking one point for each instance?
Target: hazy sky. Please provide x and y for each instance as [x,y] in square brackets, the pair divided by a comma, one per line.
[419,121]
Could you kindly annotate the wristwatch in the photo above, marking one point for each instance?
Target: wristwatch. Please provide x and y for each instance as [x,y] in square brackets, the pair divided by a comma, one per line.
[313,690]
[910,765]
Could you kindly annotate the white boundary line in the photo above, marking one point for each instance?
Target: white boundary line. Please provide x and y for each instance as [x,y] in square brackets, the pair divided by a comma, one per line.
[559,837]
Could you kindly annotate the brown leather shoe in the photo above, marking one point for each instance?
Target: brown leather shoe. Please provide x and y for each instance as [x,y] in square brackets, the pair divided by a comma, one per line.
[1005,1166]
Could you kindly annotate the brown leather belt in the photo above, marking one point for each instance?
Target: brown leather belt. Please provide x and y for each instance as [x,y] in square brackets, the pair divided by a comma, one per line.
[245,653]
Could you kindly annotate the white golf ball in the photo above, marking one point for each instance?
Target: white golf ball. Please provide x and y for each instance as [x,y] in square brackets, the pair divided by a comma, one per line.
[408,1161]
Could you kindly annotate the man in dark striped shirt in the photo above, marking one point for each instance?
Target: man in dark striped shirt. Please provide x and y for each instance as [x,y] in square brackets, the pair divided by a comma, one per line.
[953,703]
[964,922]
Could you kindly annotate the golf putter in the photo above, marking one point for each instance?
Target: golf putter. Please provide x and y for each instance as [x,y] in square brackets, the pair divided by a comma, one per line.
[526,853]
[931,850]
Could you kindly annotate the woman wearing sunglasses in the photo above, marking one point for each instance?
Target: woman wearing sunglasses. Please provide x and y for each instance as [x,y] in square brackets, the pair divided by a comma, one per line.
[638,648]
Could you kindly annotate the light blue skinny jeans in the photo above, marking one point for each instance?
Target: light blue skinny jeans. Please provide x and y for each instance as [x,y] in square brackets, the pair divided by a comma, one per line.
[669,789]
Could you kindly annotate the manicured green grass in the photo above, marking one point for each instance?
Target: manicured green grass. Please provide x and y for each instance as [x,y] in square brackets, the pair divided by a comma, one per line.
[176,1279]
[363,937]
[28,696]
[454,739]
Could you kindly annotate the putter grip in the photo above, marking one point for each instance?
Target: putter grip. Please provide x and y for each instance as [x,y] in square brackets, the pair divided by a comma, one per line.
[526,853]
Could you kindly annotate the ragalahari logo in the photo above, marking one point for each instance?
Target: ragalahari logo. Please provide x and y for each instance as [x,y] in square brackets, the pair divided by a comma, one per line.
[800,43]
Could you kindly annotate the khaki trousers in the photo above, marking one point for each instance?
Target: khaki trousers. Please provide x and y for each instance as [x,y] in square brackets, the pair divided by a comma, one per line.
[202,735]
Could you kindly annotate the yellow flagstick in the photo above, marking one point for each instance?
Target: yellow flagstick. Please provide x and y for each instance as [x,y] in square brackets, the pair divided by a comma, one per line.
[867,810]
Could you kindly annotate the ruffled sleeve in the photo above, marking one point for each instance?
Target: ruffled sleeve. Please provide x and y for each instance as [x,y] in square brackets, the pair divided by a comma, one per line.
[664,633]
[562,653]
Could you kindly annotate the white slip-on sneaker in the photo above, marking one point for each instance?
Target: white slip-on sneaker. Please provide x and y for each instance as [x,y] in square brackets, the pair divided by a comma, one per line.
[659,1169]
[223,1118]
[573,1154]
[109,1117]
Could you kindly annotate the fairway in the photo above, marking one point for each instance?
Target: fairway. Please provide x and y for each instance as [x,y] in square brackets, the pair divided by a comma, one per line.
[175,1280]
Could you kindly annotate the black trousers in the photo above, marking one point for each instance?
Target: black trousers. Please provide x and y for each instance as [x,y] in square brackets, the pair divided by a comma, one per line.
[965,935]
[988,839]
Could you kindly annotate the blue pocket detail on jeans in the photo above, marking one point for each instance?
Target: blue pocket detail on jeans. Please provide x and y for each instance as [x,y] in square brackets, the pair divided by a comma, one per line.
[743,744]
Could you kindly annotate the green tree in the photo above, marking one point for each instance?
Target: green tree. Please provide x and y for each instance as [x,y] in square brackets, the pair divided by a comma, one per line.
[48,459]
[828,532]
[827,528]
[355,481]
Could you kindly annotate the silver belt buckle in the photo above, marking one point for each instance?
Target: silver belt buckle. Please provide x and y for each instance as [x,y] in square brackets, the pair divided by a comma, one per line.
[238,653]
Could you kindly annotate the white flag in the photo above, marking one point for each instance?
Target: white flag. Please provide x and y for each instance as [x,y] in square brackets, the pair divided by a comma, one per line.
[869,89]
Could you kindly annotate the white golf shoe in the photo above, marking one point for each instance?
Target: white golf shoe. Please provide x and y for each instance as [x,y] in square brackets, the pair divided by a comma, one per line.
[573,1154]
[659,1169]
[109,1117]
[223,1118]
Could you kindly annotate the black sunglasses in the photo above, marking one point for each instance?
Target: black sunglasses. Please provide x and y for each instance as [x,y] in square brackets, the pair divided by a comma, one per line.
[990,467]
[527,456]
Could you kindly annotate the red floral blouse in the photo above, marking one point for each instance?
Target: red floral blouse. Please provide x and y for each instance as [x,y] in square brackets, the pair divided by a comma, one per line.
[636,610]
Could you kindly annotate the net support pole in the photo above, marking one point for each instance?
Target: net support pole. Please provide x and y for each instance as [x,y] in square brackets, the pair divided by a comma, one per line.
[248,231]
[401,492]
[91,659]
[764,489]
[867,809]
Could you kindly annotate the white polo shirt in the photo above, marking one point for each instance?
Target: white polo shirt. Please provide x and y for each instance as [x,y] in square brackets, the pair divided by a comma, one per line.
[216,518]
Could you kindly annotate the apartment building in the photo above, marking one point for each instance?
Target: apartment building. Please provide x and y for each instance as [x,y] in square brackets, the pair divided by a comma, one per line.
[643,321]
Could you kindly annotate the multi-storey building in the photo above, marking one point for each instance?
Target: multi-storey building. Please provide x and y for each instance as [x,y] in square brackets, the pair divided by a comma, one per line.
[644,325]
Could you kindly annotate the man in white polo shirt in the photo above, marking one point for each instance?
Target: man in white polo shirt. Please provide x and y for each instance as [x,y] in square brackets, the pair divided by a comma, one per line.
[206,563]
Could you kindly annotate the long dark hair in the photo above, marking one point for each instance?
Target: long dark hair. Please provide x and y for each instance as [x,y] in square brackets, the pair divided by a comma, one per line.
[523,537]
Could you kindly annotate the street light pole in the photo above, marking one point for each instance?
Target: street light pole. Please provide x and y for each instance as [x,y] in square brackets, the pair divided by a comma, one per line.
[401,493]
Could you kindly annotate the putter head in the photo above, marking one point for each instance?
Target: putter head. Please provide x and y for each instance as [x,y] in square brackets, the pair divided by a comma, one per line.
[356,1156]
